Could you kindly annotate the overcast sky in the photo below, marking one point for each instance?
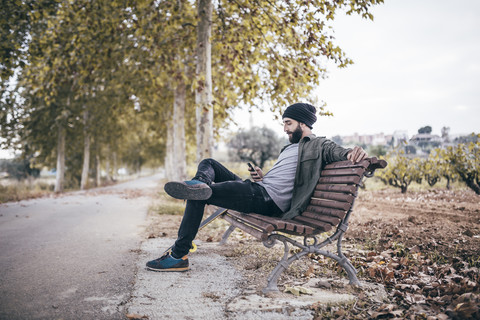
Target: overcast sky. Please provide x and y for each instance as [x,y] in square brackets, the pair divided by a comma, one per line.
[416,64]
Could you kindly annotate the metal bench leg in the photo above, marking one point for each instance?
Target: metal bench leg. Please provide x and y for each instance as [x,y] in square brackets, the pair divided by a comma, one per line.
[346,264]
[282,264]
[226,235]
[351,272]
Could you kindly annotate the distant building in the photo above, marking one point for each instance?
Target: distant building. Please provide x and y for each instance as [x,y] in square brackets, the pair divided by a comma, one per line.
[399,137]
[369,139]
[422,139]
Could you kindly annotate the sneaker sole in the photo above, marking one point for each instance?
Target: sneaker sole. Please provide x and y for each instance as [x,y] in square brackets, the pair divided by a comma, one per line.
[182,191]
[170,269]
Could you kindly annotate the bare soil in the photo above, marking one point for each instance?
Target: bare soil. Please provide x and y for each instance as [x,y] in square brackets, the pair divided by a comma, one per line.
[424,247]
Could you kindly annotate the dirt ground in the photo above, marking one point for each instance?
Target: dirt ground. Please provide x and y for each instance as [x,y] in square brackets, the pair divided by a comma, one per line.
[424,247]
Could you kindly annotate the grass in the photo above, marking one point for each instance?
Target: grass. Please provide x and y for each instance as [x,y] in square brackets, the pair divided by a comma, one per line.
[22,190]
[166,205]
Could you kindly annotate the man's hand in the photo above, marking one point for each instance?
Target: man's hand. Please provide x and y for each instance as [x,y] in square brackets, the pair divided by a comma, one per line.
[257,175]
[357,154]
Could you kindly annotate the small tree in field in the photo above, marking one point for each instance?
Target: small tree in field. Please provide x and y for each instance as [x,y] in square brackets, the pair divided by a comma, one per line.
[465,160]
[442,166]
[256,145]
[431,170]
[401,171]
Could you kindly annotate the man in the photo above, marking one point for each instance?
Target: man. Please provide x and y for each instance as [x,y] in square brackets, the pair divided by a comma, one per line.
[284,191]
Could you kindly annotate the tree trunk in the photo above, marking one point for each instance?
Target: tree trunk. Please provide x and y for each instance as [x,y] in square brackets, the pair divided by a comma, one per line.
[448,182]
[179,144]
[60,178]
[98,176]
[115,167]
[203,94]
[107,167]
[169,159]
[86,152]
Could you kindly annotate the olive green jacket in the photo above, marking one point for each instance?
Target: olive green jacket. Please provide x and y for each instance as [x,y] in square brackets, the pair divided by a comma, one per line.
[313,154]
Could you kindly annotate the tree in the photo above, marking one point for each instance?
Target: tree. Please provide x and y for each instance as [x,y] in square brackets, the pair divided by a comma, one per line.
[426,129]
[401,171]
[446,134]
[19,168]
[377,150]
[465,160]
[16,25]
[99,72]
[431,170]
[203,92]
[264,63]
[256,145]
[440,167]
[164,72]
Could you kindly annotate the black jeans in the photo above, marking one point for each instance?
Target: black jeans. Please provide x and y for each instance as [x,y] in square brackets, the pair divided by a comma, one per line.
[228,191]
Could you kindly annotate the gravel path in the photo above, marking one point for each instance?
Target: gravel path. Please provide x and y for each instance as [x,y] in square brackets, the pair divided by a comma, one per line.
[212,289]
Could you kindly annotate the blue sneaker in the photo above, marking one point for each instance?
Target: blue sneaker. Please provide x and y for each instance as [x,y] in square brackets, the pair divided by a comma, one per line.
[168,263]
[188,190]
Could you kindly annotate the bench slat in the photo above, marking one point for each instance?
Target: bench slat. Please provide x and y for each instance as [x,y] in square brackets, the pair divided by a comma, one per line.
[340,180]
[328,219]
[333,196]
[248,218]
[321,226]
[293,226]
[330,204]
[343,172]
[346,164]
[250,230]
[278,223]
[351,189]
[327,211]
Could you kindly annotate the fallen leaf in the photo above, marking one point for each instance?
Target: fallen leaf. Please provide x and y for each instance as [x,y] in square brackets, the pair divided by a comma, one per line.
[297,290]
[136,316]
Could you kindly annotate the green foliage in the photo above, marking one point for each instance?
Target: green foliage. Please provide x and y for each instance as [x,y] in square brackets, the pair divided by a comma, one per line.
[19,168]
[107,69]
[426,129]
[465,160]
[275,51]
[461,161]
[430,171]
[401,170]
[377,150]
[257,145]
[16,22]
[440,167]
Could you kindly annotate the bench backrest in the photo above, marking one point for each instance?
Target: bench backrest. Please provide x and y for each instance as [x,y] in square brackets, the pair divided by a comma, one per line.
[335,193]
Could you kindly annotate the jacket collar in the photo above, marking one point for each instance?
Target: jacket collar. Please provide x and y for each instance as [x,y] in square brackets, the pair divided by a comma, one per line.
[305,139]
[309,137]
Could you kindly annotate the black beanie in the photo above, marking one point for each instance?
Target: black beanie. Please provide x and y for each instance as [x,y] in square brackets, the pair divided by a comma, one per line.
[302,112]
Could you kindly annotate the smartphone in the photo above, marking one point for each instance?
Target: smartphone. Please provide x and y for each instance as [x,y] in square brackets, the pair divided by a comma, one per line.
[250,166]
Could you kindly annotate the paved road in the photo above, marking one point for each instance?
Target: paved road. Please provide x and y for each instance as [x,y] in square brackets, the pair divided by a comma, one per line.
[73,256]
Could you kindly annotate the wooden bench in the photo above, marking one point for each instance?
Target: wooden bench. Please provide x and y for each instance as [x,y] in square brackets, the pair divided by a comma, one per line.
[330,208]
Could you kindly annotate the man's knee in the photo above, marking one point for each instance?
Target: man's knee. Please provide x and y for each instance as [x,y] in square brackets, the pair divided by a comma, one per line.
[208,160]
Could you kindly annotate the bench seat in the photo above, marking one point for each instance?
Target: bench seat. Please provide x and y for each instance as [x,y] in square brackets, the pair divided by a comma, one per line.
[329,209]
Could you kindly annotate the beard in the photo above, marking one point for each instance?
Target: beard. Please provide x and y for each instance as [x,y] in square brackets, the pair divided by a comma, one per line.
[296,135]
